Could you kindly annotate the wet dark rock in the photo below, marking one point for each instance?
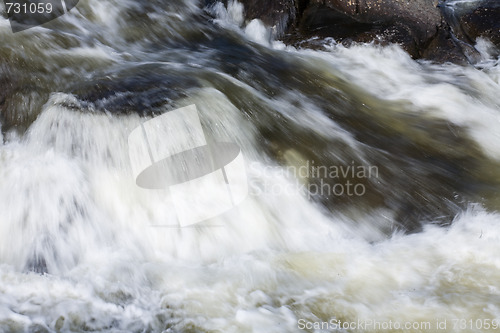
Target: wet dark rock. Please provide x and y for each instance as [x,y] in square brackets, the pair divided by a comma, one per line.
[413,24]
[442,31]
[320,20]
[445,47]
[141,90]
[483,21]
[21,98]
[5,90]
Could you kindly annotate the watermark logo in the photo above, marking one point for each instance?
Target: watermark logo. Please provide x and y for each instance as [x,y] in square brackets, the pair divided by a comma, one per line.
[311,180]
[171,152]
[28,14]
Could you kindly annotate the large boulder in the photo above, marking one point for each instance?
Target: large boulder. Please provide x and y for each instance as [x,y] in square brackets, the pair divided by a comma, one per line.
[440,30]
[411,23]
[482,21]
[422,15]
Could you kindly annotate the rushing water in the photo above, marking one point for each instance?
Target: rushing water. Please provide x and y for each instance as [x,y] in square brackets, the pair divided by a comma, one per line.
[80,246]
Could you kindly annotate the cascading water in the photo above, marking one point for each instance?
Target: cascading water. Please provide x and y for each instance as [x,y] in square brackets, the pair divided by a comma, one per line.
[83,248]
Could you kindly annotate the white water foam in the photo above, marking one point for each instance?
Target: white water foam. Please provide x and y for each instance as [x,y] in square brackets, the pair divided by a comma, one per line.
[277,259]
[67,195]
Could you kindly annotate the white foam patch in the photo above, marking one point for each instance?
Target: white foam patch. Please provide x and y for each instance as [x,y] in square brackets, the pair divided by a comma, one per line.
[94,52]
[230,16]
[412,279]
[257,32]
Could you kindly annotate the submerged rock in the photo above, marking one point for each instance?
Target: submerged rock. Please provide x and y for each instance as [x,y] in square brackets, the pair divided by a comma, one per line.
[143,90]
[20,98]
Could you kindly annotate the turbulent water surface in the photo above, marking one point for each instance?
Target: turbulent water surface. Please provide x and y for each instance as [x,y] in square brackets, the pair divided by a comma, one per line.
[82,247]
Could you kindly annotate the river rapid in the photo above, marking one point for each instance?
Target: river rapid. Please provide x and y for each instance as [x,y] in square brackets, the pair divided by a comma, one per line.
[412,248]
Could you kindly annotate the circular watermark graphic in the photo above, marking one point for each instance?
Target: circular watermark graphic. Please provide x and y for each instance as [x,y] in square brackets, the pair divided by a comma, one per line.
[204,180]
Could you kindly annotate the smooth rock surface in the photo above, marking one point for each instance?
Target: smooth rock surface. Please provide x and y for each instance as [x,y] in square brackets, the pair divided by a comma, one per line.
[483,21]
